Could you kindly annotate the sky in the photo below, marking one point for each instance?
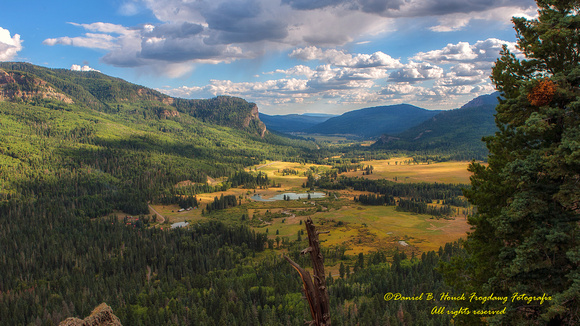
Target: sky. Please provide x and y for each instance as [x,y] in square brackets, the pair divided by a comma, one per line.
[288,56]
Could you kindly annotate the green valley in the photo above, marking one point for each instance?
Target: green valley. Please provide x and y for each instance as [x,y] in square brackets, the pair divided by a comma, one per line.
[268,163]
[82,151]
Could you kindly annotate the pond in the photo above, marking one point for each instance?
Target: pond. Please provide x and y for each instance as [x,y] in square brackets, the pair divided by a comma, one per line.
[291,195]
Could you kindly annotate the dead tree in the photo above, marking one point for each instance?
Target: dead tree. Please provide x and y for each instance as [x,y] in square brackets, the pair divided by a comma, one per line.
[314,288]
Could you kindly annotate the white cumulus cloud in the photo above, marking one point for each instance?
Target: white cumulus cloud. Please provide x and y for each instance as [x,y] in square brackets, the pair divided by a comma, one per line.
[9,45]
[342,59]
[416,72]
[486,51]
[82,68]
[401,89]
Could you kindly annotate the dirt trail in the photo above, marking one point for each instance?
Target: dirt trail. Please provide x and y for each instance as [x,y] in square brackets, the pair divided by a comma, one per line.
[265,165]
[156,212]
[211,181]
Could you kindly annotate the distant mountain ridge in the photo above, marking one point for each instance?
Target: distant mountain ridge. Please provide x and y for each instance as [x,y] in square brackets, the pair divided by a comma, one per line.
[290,123]
[454,131]
[374,121]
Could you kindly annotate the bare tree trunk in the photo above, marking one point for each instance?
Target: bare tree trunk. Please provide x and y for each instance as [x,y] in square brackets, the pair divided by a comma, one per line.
[314,288]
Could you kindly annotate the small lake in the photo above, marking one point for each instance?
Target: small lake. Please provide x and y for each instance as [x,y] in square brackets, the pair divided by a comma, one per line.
[291,195]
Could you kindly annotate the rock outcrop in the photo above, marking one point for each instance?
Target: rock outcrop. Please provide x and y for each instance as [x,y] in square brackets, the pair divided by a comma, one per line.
[255,116]
[14,85]
[102,315]
[168,113]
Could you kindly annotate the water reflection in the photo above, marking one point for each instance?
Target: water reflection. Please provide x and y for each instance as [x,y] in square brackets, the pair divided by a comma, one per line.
[290,196]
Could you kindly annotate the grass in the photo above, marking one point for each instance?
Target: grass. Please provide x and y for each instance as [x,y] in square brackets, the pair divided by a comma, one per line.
[385,225]
[443,172]
[357,227]
[173,215]
[288,182]
[372,228]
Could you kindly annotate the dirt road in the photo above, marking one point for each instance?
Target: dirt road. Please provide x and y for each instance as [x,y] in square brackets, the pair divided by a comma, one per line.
[156,212]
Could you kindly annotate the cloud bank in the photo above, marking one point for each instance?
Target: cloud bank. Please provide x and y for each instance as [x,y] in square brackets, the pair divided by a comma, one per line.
[436,78]
[314,32]
[191,32]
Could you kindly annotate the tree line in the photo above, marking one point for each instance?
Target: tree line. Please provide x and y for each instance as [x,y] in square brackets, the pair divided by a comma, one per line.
[423,191]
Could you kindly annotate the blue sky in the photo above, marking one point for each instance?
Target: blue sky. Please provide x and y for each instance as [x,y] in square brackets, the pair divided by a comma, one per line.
[288,56]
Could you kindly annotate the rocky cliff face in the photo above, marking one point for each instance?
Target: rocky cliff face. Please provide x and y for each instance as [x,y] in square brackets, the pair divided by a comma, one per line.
[168,114]
[19,86]
[255,116]
[102,315]
[227,111]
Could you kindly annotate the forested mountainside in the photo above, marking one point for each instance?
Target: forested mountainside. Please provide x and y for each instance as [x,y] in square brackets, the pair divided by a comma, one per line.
[455,133]
[61,128]
[34,84]
[372,122]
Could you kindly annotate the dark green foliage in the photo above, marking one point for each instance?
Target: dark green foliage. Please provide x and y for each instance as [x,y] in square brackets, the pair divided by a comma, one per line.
[288,171]
[456,201]
[423,191]
[248,180]
[526,231]
[187,202]
[53,261]
[206,292]
[373,199]
[310,182]
[222,203]
[346,167]
[421,207]
[410,278]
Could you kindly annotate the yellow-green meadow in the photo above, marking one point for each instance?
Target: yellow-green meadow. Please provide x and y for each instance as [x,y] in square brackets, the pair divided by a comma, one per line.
[356,227]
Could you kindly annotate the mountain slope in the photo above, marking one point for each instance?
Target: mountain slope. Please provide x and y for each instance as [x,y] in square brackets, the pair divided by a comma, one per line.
[371,122]
[293,122]
[454,131]
[94,90]
[107,144]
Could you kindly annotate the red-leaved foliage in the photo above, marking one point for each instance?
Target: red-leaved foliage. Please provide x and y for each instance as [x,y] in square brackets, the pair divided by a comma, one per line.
[543,93]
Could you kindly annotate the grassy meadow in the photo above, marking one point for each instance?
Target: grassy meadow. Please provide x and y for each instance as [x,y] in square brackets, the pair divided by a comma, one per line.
[352,226]
[395,169]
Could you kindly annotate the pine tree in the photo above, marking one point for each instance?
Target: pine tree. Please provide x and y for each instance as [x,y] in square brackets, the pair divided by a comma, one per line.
[361,260]
[526,231]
